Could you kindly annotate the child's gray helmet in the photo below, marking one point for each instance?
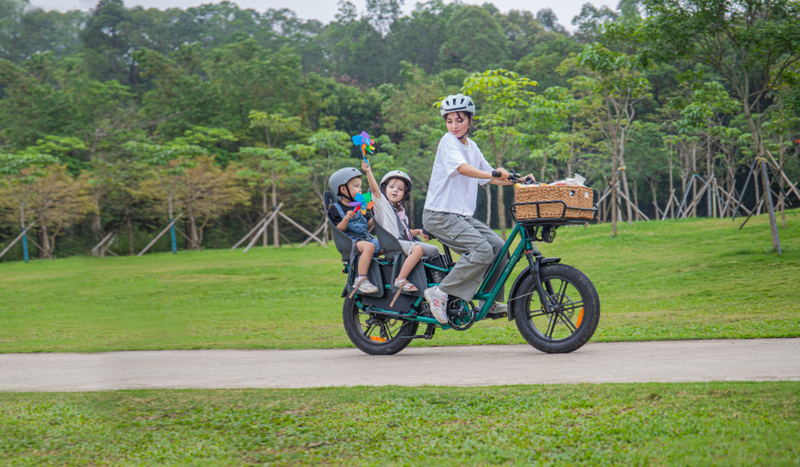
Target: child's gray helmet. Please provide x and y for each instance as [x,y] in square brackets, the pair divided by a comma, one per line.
[457,103]
[341,177]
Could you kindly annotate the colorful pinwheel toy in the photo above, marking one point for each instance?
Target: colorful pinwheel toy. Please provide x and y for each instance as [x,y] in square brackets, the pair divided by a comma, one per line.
[363,202]
[366,143]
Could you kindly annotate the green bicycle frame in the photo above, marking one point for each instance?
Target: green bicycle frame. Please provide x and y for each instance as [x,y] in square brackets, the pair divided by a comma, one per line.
[490,297]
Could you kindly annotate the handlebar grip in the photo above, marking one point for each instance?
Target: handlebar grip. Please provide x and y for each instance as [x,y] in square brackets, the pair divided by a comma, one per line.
[496,173]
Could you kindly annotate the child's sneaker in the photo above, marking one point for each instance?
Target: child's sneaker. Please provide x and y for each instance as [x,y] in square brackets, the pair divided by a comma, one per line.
[437,300]
[367,287]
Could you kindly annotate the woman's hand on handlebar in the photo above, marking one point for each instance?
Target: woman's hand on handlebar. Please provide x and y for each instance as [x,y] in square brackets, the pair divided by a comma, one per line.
[500,173]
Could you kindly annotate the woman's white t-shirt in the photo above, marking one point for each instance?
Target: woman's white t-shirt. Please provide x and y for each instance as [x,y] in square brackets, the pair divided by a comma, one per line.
[449,191]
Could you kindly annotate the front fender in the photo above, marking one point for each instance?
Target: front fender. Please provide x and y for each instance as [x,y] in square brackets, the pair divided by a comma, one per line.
[520,279]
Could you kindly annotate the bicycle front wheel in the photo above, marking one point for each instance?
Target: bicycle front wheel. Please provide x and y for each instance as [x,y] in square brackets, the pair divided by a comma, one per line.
[573,317]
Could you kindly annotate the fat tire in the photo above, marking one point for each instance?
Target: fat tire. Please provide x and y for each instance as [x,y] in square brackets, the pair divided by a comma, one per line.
[591,313]
[354,332]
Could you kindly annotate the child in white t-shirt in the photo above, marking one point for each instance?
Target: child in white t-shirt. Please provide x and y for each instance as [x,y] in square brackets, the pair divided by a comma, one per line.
[458,169]
[395,188]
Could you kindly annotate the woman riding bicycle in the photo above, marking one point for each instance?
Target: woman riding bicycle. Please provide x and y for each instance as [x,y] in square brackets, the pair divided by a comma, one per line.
[452,197]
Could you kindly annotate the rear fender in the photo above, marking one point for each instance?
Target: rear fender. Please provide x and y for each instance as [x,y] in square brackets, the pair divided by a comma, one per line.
[518,283]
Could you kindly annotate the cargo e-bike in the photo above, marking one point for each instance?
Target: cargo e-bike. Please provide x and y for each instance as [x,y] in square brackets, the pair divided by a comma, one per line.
[555,306]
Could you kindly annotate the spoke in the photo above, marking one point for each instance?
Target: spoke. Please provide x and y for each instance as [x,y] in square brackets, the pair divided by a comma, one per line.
[551,326]
[389,332]
[531,314]
[572,305]
[566,320]
[368,331]
[562,291]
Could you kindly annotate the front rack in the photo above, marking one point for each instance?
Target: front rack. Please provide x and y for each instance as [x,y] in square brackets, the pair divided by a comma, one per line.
[562,220]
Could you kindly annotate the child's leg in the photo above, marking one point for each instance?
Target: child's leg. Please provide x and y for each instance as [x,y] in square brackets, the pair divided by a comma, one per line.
[411,261]
[367,249]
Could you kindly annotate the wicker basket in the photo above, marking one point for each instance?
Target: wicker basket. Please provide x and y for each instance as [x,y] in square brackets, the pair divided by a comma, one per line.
[572,196]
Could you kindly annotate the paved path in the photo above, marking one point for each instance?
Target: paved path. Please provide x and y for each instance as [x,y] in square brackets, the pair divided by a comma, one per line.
[668,361]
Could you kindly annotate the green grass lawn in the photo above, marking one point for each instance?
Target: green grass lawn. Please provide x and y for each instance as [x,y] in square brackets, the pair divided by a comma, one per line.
[610,424]
[657,280]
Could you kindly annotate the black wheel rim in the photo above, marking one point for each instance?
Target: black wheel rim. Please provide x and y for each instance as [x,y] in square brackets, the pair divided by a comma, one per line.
[566,316]
[375,329]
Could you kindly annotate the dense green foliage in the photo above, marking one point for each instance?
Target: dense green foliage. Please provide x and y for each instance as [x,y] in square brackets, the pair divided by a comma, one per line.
[588,424]
[618,100]
[692,279]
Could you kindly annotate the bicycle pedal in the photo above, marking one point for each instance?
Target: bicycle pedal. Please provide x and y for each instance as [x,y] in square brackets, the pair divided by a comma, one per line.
[498,315]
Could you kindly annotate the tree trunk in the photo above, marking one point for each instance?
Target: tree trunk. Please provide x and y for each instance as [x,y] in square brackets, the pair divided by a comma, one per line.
[97,222]
[544,165]
[756,185]
[636,198]
[44,239]
[652,184]
[501,210]
[773,225]
[410,213]
[276,241]
[488,188]
[130,228]
[192,230]
[671,188]
[709,173]
[780,182]
[571,148]
[613,203]
[629,210]
[264,212]
[694,180]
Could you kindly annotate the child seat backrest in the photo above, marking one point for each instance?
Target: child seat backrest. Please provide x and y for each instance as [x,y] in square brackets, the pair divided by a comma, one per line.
[344,244]
[388,242]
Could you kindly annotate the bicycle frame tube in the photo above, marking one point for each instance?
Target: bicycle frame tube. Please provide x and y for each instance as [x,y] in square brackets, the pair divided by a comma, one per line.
[519,252]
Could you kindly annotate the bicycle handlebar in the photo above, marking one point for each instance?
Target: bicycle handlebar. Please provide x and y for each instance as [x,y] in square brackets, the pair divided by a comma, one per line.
[513,177]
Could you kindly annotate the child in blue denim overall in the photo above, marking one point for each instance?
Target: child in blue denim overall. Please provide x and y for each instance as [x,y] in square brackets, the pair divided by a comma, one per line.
[347,184]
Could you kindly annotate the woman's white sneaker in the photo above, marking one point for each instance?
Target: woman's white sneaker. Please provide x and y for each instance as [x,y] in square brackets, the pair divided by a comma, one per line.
[437,300]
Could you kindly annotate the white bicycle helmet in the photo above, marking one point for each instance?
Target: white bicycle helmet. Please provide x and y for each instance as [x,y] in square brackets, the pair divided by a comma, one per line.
[402,176]
[341,177]
[457,103]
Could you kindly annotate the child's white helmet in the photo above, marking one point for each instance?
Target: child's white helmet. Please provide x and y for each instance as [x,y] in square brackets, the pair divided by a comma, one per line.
[457,103]
[397,174]
[402,176]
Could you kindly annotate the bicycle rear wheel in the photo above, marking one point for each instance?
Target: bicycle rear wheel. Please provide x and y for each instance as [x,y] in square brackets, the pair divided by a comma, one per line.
[376,334]
[573,318]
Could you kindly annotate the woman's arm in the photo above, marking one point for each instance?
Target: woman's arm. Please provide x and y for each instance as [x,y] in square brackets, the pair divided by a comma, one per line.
[470,171]
[373,184]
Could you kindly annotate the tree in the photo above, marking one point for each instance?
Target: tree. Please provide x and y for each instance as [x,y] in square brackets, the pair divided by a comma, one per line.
[702,116]
[20,172]
[590,21]
[752,43]
[263,169]
[197,187]
[57,201]
[475,41]
[106,46]
[614,86]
